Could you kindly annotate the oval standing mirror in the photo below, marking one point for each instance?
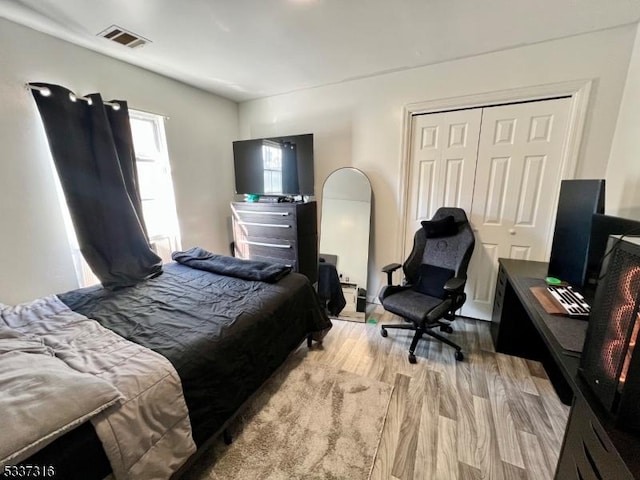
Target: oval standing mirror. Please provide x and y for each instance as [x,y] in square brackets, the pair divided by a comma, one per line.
[344,244]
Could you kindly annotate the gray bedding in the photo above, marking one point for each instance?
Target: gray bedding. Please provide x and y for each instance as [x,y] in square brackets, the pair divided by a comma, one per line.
[41,397]
[147,434]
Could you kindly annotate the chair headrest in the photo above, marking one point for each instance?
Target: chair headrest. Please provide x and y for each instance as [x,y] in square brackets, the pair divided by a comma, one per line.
[458,214]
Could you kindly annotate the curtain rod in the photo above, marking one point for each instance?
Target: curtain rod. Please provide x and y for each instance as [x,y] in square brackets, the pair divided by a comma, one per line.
[45,92]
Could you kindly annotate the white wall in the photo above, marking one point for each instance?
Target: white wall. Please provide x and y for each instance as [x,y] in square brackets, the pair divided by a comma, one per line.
[359,123]
[623,171]
[34,256]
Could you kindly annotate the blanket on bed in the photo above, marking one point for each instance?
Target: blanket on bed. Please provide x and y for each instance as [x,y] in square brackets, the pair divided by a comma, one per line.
[224,336]
[149,434]
[201,259]
[33,384]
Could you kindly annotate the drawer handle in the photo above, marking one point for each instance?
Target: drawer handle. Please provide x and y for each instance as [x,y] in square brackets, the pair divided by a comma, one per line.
[262,244]
[255,224]
[259,212]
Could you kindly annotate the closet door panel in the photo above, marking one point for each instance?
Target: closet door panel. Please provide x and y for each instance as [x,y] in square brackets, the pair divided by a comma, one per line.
[516,189]
[444,150]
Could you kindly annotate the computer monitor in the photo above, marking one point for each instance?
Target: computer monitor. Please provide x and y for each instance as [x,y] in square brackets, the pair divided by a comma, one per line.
[579,200]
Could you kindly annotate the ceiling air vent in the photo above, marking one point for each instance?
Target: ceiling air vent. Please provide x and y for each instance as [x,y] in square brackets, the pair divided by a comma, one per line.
[123,37]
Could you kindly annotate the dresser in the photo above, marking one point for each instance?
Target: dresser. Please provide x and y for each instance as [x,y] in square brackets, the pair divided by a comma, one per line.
[284,233]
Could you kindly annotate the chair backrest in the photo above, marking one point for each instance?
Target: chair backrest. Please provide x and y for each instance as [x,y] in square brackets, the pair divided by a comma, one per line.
[453,252]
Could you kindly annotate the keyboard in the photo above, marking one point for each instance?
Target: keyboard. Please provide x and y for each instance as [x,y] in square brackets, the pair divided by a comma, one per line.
[571,301]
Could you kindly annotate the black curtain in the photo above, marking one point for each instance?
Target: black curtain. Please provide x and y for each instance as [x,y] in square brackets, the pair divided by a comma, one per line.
[92,149]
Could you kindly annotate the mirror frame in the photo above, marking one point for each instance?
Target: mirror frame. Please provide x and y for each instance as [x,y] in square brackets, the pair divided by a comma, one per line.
[351,290]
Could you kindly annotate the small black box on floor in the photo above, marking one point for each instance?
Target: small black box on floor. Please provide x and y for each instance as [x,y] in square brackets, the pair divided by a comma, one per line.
[361,301]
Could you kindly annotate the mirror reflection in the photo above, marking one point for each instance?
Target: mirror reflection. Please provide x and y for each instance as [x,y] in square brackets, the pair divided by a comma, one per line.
[344,243]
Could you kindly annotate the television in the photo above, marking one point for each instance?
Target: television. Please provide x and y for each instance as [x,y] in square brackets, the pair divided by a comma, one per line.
[277,166]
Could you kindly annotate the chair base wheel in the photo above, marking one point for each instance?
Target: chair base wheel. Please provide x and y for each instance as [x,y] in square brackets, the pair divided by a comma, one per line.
[446,328]
[412,358]
[459,355]
[383,331]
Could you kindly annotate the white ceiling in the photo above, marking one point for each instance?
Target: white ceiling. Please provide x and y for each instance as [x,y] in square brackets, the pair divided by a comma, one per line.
[244,49]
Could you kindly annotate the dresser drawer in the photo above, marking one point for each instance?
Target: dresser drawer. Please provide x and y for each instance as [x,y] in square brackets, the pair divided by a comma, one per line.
[250,247]
[501,282]
[273,210]
[264,216]
[289,263]
[282,228]
[498,302]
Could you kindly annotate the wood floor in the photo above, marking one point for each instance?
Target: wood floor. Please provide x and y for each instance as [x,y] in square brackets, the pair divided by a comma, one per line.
[491,416]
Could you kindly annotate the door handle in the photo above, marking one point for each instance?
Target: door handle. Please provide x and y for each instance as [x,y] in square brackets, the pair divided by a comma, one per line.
[512,231]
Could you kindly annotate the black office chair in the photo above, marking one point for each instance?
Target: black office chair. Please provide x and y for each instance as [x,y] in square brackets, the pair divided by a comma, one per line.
[435,276]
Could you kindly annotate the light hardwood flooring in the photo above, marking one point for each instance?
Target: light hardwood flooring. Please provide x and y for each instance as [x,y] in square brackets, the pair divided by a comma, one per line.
[491,416]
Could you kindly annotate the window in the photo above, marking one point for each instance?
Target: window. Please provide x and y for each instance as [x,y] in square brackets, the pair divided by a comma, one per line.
[155,183]
[272,167]
[156,192]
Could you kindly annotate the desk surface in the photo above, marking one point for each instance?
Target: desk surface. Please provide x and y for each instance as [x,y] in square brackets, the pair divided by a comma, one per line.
[519,274]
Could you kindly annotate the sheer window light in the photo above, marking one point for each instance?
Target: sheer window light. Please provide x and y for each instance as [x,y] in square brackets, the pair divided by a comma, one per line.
[155,182]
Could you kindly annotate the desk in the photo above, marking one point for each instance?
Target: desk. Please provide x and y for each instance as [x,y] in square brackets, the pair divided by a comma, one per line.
[593,446]
[518,327]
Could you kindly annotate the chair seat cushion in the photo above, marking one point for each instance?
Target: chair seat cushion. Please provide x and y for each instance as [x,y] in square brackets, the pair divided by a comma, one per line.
[431,280]
[415,306]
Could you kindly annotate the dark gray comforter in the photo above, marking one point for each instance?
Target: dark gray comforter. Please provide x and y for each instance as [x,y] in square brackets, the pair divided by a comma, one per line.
[223,335]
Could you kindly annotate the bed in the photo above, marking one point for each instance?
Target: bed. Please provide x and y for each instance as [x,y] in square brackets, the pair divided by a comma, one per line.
[223,335]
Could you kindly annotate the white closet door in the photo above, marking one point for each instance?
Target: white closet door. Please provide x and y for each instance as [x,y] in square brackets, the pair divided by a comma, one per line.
[444,148]
[516,188]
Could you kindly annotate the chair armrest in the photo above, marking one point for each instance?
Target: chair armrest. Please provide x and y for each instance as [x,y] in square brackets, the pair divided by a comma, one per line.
[454,284]
[392,267]
[389,269]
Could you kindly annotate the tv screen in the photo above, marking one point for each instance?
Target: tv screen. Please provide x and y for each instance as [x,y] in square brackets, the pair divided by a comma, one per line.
[274,166]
